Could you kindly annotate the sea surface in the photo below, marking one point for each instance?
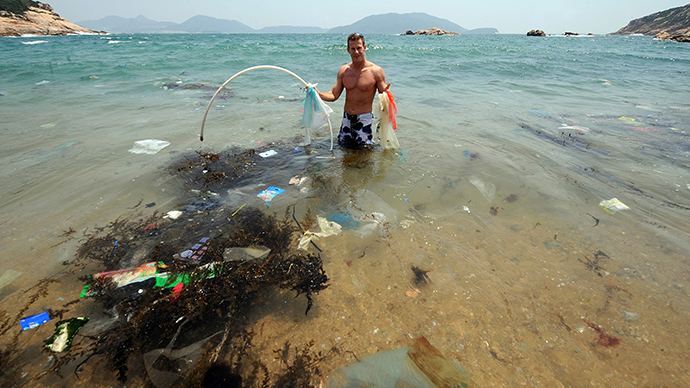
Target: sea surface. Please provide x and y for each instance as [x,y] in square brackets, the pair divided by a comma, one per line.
[509,145]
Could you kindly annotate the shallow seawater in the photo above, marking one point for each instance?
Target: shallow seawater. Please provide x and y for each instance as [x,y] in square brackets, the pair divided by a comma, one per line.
[509,144]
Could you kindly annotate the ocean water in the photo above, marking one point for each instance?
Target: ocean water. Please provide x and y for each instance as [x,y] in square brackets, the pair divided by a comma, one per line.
[509,145]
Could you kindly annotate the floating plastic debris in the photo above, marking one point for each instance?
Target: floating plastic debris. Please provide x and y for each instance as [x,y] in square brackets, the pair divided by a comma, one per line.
[150,146]
[173,214]
[125,276]
[268,194]
[268,153]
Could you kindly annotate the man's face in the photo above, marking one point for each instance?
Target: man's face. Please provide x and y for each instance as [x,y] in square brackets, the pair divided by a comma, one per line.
[356,49]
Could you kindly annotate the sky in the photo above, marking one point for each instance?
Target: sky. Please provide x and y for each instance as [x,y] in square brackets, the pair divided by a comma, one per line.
[508,16]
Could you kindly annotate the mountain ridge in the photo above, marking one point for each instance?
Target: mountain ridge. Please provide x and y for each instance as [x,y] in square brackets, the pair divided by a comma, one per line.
[390,23]
[674,21]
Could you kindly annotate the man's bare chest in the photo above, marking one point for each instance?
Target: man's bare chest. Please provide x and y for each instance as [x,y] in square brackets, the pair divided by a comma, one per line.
[360,79]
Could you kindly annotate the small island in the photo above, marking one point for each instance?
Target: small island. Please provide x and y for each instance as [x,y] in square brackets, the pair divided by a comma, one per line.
[432,31]
[26,17]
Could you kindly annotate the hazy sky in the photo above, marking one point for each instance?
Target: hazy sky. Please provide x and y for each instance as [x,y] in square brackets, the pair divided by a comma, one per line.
[508,16]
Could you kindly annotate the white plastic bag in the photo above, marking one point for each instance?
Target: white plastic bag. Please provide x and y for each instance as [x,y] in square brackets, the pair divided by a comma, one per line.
[322,228]
[385,115]
[316,112]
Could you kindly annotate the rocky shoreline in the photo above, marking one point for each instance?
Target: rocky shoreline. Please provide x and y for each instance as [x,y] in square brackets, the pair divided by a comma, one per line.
[39,20]
[432,31]
[675,22]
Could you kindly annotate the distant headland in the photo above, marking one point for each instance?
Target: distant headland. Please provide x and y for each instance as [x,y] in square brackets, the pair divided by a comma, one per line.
[674,22]
[35,18]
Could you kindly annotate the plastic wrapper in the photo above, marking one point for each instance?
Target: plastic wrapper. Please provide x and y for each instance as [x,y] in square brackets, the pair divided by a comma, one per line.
[268,194]
[613,205]
[64,333]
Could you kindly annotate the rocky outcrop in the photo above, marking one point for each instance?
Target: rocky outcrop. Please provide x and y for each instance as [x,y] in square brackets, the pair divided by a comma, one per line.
[663,35]
[536,33]
[432,31]
[575,34]
[675,21]
[39,20]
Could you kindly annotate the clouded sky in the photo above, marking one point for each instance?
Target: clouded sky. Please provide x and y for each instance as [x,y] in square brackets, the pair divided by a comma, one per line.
[508,16]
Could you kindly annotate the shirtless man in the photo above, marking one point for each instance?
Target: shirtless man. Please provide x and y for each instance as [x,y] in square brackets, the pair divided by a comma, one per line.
[361,79]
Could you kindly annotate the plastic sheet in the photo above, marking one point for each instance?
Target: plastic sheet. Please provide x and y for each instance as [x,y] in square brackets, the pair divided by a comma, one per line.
[419,366]
[246,254]
[488,190]
[322,228]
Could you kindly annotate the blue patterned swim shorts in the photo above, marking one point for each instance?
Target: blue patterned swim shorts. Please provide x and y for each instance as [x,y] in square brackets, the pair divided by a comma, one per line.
[355,130]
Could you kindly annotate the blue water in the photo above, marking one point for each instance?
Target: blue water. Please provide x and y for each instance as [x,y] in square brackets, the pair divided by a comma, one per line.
[561,123]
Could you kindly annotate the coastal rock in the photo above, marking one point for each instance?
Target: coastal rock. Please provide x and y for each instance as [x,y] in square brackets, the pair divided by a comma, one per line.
[675,21]
[39,19]
[536,33]
[432,31]
[663,35]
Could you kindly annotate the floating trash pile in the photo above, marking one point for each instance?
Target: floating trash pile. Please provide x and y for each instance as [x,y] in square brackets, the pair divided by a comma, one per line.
[177,289]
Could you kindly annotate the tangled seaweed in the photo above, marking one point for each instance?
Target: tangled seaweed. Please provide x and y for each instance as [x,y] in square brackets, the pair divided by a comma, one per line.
[196,331]
[218,294]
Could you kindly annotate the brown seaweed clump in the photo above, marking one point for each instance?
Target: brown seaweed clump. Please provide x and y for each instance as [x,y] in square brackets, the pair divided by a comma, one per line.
[203,319]
[186,323]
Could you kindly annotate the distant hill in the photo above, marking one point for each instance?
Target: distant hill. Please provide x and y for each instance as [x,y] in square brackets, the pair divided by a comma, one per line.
[292,30]
[207,24]
[138,24]
[675,21]
[391,23]
[395,23]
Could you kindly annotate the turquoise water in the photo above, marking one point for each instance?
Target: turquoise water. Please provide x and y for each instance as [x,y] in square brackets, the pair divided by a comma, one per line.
[560,123]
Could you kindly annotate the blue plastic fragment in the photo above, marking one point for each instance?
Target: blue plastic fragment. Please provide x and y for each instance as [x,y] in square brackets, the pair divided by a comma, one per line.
[34,321]
[345,219]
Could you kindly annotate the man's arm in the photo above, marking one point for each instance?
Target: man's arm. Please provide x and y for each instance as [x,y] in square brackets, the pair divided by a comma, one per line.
[380,77]
[337,90]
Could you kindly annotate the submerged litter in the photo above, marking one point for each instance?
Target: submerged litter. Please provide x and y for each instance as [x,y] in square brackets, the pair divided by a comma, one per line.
[268,194]
[8,277]
[488,190]
[419,366]
[34,321]
[64,333]
[246,254]
[150,146]
[613,205]
[322,228]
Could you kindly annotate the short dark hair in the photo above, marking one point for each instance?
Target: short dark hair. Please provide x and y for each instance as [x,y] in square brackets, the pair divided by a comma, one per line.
[354,37]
